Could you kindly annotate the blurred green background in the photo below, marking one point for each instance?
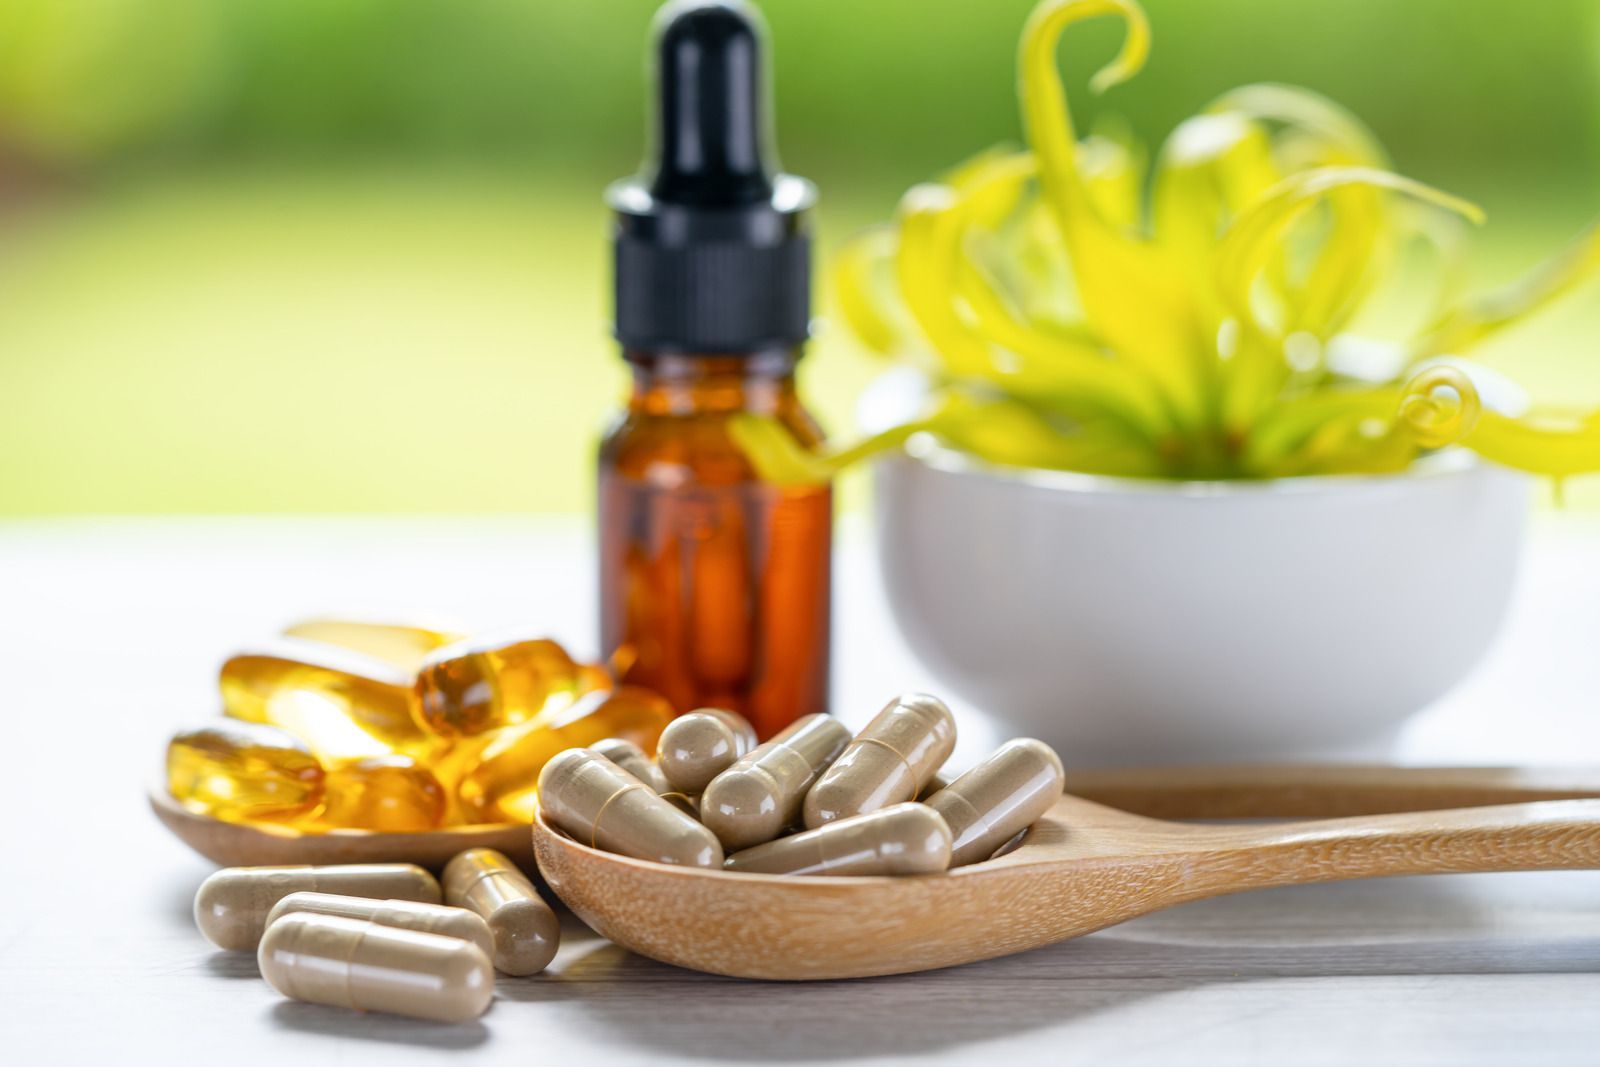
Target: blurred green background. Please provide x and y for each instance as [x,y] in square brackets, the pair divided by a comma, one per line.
[349,255]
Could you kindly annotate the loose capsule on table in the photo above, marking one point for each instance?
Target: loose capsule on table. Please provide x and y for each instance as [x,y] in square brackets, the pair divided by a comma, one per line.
[600,804]
[631,758]
[999,798]
[405,914]
[526,931]
[242,771]
[760,795]
[889,761]
[342,704]
[351,963]
[697,747]
[231,906]
[906,838]
[501,786]
[393,794]
[490,682]
[403,645]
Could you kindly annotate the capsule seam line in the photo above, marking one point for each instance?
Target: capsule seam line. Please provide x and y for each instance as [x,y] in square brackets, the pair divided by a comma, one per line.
[349,967]
[594,827]
[888,747]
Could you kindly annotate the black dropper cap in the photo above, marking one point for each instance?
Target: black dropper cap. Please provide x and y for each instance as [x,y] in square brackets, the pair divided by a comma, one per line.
[713,245]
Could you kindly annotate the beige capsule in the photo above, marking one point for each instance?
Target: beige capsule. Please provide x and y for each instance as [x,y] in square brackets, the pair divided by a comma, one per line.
[889,761]
[697,747]
[631,758]
[602,805]
[907,838]
[405,914]
[936,783]
[526,931]
[999,798]
[685,803]
[354,963]
[231,906]
[760,796]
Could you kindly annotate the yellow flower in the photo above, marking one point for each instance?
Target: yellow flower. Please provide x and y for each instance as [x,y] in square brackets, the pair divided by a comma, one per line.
[1067,323]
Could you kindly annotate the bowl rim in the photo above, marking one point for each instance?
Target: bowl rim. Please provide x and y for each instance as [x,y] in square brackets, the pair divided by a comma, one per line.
[924,451]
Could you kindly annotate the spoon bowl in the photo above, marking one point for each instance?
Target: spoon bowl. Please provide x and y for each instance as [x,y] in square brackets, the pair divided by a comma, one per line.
[232,844]
[1080,868]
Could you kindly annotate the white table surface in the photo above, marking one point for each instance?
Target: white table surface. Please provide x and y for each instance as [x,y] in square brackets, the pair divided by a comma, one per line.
[110,633]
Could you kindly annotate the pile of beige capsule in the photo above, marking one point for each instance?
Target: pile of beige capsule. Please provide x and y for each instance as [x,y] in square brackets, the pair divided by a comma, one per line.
[872,804]
[390,937]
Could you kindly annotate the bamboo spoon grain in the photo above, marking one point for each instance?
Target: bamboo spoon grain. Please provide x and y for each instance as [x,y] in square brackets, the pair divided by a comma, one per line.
[1081,868]
[238,845]
[1321,791]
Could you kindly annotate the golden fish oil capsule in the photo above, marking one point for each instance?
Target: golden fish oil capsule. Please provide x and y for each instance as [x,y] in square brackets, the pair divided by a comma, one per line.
[241,771]
[231,906]
[342,704]
[904,838]
[760,796]
[352,963]
[526,931]
[503,785]
[404,645]
[999,798]
[601,805]
[697,747]
[394,794]
[404,914]
[486,683]
[889,761]
[631,758]
[594,678]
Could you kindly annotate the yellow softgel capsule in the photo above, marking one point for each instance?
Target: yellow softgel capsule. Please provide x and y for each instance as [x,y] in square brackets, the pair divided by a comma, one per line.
[503,786]
[487,683]
[394,794]
[405,645]
[342,704]
[594,678]
[242,772]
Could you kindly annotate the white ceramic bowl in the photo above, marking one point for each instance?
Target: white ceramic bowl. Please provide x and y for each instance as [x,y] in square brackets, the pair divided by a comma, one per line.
[1133,621]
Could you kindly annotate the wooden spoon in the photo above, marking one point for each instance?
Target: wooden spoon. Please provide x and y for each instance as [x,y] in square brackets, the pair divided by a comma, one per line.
[1081,868]
[233,844]
[1191,792]
[1321,791]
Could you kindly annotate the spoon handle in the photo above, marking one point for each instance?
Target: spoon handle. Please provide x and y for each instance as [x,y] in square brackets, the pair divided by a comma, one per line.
[1550,835]
[1287,790]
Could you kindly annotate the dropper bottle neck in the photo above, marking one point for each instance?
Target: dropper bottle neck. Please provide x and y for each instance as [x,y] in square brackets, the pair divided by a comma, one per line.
[669,383]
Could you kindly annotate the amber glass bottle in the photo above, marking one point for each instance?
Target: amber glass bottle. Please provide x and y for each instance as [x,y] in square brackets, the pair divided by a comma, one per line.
[714,585]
